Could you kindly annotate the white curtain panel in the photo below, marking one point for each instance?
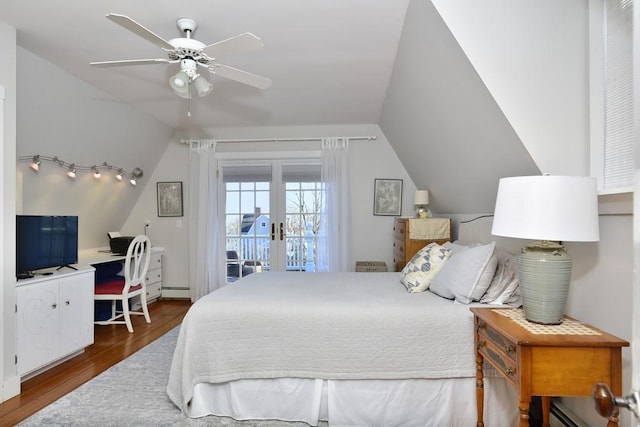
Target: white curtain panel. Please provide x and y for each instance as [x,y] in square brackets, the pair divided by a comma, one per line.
[205,262]
[334,240]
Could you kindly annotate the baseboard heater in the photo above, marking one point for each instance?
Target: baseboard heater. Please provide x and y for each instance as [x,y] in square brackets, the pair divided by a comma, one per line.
[565,416]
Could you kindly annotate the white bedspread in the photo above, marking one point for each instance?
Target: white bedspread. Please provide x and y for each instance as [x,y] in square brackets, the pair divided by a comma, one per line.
[320,325]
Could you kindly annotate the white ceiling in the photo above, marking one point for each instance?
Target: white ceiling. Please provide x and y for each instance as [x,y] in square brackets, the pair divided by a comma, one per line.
[330,60]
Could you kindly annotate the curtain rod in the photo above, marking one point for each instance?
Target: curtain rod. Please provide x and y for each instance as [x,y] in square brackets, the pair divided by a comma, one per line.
[275,139]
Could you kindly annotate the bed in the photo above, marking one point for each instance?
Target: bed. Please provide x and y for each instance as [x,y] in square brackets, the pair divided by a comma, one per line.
[350,349]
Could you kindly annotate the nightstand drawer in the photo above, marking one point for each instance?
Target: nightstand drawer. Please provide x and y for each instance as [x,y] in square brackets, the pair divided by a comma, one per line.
[499,359]
[487,333]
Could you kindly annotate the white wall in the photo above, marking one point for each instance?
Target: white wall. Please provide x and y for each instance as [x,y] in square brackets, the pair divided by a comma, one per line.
[532,56]
[372,235]
[9,380]
[60,115]
[443,123]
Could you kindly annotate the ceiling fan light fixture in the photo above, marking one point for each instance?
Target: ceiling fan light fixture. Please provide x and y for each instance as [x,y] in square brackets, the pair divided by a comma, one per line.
[203,87]
[179,82]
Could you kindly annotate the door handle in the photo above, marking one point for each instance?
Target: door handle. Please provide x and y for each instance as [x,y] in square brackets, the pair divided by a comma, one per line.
[273,231]
[281,231]
[607,404]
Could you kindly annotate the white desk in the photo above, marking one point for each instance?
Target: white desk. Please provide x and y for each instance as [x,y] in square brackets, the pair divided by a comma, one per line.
[97,256]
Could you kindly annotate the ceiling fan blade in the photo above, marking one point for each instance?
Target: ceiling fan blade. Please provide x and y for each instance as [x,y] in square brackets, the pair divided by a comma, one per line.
[140,30]
[131,62]
[240,76]
[245,42]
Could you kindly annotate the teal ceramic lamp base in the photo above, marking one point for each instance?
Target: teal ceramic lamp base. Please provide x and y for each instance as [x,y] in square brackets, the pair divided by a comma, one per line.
[545,273]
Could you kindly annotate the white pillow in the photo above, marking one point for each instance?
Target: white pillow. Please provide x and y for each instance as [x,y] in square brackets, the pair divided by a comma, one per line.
[504,288]
[417,275]
[467,274]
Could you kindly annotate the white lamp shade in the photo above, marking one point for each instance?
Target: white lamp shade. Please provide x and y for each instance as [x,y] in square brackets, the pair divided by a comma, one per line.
[421,197]
[545,207]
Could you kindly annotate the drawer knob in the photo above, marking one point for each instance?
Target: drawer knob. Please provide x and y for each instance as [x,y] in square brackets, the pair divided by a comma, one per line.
[509,349]
[509,371]
[481,325]
[480,344]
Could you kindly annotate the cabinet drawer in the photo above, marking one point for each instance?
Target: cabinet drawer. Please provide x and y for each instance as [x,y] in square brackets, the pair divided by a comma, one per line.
[154,290]
[156,261]
[488,334]
[154,276]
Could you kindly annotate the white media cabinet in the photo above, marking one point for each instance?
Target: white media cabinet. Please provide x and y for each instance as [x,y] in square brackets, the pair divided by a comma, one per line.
[54,317]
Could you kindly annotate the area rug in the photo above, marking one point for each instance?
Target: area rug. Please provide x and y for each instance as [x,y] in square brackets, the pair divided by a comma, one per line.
[132,393]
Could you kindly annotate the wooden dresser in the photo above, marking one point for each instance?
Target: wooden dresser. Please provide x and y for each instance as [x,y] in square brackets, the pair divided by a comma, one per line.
[545,360]
[405,246]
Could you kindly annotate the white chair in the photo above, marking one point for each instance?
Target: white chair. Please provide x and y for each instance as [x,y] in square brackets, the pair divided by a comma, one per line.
[133,284]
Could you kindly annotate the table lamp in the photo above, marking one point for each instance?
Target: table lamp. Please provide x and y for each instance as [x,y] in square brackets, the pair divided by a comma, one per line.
[421,203]
[552,210]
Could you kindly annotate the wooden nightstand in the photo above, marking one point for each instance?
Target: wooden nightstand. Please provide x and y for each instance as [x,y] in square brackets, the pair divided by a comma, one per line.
[540,360]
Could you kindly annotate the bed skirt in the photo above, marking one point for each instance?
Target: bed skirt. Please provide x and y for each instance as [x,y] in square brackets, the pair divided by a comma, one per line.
[370,403]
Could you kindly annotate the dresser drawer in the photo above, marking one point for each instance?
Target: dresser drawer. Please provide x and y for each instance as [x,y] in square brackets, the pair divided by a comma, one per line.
[399,249]
[399,230]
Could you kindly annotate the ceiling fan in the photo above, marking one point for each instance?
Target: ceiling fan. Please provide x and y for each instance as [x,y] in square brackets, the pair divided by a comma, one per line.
[190,53]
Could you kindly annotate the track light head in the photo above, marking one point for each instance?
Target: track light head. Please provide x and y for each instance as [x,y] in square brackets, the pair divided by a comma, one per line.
[71,173]
[35,163]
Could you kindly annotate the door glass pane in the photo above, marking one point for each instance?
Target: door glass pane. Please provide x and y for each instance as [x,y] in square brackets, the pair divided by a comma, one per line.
[302,222]
[247,227]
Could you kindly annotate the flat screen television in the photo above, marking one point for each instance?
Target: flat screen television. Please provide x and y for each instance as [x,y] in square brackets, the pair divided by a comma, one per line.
[44,242]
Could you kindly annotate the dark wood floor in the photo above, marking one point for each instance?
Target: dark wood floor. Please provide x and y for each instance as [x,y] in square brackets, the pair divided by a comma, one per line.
[112,344]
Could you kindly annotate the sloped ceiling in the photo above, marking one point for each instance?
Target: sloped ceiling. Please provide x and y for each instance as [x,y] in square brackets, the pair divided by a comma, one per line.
[330,60]
[445,126]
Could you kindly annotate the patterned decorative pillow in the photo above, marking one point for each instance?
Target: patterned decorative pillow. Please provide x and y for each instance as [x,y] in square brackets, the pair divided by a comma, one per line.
[417,275]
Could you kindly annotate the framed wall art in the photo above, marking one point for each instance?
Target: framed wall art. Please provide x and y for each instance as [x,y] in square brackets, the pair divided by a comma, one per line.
[387,197]
[170,198]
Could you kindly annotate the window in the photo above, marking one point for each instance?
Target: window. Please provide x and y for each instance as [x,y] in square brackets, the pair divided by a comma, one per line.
[613,147]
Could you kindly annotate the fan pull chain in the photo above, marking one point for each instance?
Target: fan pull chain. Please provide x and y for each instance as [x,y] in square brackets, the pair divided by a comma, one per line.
[189,99]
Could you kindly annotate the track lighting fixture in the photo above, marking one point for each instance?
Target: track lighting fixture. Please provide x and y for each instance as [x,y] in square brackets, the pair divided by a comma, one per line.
[72,168]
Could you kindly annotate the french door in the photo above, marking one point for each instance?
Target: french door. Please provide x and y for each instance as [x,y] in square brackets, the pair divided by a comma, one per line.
[272,215]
